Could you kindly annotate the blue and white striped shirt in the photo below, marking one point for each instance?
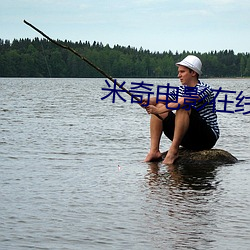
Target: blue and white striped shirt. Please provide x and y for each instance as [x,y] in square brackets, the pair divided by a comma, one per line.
[206,106]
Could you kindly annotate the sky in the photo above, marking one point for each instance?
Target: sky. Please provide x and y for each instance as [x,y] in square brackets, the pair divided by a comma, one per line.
[155,25]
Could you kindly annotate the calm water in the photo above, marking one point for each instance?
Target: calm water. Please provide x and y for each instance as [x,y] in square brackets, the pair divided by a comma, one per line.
[72,175]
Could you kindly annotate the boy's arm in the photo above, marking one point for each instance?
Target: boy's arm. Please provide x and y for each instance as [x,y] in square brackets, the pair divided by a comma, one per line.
[151,109]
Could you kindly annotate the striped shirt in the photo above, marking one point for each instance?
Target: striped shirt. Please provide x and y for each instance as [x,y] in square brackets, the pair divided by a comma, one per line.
[206,106]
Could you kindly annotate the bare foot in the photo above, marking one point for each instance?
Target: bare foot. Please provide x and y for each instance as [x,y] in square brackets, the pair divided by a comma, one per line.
[171,156]
[153,156]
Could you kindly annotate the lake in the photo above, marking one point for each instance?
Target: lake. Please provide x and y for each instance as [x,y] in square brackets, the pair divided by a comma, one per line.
[72,173]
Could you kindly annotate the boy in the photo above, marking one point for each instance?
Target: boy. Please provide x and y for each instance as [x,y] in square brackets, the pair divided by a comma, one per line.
[195,127]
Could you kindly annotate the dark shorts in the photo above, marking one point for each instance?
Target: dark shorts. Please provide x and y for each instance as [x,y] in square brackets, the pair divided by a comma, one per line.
[199,135]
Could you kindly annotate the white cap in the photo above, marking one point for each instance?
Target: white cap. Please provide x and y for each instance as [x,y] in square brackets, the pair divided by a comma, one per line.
[191,62]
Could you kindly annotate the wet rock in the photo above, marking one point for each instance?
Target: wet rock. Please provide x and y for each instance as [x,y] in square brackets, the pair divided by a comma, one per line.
[204,157]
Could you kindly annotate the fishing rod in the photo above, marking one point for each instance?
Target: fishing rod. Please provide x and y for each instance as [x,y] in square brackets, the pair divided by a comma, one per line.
[89,62]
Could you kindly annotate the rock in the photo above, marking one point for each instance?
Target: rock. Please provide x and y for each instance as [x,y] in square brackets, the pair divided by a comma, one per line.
[204,157]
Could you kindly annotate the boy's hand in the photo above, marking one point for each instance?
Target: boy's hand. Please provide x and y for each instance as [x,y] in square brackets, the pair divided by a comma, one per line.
[151,109]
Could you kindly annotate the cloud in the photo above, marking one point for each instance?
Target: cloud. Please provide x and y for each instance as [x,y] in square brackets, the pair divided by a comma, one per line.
[221,2]
[148,2]
[152,24]
[225,5]
[83,6]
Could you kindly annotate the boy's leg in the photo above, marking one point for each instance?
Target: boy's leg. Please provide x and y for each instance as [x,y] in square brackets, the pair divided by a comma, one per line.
[181,127]
[156,128]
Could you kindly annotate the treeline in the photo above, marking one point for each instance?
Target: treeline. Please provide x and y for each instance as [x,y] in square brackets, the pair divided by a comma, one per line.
[41,58]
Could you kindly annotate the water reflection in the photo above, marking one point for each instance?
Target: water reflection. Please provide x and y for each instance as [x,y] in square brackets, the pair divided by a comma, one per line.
[183,197]
[183,177]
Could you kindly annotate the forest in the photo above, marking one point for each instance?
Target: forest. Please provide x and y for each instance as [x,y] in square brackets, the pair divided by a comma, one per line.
[41,58]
